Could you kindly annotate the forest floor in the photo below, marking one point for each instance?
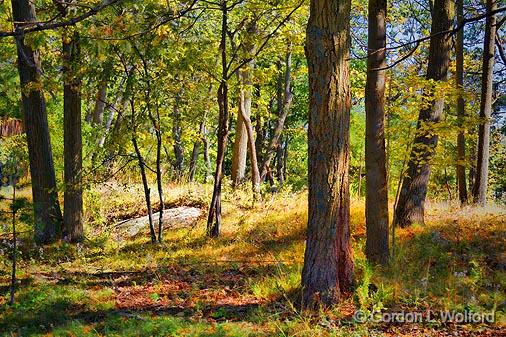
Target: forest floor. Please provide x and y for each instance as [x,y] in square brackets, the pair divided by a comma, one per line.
[246,282]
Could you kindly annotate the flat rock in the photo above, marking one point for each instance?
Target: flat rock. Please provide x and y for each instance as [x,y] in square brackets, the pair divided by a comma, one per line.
[173,218]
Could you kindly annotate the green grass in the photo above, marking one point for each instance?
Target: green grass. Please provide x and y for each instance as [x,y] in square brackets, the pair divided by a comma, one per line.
[246,282]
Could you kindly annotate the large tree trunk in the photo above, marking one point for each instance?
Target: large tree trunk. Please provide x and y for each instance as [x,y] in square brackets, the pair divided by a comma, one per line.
[376,203]
[411,204]
[481,182]
[461,106]
[73,202]
[328,265]
[48,217]
[214,217]
[285,98]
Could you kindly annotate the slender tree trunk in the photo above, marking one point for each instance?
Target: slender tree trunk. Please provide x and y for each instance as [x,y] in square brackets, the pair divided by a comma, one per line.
[214,217]
[196,151]
[14,245]
[73,202]
[281,161]
[118,105]
[101,98]
[328,265]
[142,167]
[245,105]
[48,217]
[240,149]
[411,204]
[481,182]
[376,198]
[285,98]
[176,134]
[461,106]
[259,127]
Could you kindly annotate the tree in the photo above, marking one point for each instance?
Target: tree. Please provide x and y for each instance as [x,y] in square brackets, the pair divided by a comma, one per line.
[461,106]
[73,202]
[285,98]
[328,266]
[375,156]
[411,203]
[487,79]
[48,217]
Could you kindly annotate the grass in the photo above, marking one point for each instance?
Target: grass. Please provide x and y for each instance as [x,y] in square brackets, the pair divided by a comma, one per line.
[245,282]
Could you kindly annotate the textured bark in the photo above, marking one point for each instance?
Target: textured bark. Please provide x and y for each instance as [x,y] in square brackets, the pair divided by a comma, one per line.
[73,202]
[48,217]
[411,204]
[214,217]
[328,264]
[481,182]
[376,198]
[461,106]
[285,98]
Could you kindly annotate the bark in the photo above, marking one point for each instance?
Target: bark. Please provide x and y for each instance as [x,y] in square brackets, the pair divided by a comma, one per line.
[280,162]
[259,127]
[73,163]
[461,113]
[411,204]
[240,149]
[481,181]
[119,104]
[195,155]
[245,105]
[142,167]
[101,98]
[214,217]
[48,217]
[285,98]
[328,265]
[376,199]
[176,135]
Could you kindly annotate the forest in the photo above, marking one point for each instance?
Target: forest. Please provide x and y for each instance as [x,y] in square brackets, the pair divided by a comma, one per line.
[252,168]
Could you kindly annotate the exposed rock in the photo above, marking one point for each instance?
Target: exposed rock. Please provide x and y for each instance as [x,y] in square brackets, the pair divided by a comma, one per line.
[173,218]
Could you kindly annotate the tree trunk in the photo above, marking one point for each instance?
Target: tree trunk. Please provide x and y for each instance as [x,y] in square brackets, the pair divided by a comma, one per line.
[142,167]
[214,217]
[481,182]
[73,202]
[328,265]
[101,99]
[461,113]
[245,111]
[280,162]
[411,204]
[195,152]
[259,127]
[285,98]
[376,199]
[240,149]
[48,217]
[176,134]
